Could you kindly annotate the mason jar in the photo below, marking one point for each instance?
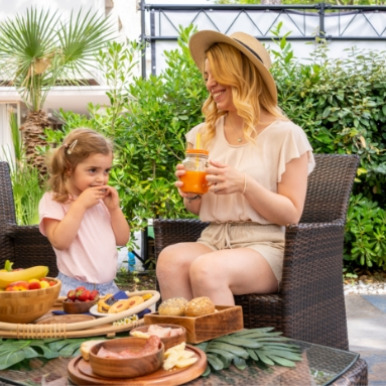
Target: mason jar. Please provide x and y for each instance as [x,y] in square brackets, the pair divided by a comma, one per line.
[195,163]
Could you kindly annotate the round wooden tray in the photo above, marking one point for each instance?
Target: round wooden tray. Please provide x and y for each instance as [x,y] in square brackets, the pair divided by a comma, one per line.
[80,373]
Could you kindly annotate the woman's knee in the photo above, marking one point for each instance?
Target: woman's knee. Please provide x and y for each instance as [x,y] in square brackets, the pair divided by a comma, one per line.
[202,270]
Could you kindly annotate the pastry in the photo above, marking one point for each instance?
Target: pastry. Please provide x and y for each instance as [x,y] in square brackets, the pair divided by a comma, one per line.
[199,306]
[173,307]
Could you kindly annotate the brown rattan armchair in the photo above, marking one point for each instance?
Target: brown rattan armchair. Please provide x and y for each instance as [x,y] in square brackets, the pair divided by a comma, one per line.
[24,245]
[310,303]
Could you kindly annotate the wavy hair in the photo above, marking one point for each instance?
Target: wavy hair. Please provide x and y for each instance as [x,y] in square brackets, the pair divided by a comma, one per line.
[78,145]
[230,67]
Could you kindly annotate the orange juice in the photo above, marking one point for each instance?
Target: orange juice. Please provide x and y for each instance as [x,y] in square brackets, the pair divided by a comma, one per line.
[194,182]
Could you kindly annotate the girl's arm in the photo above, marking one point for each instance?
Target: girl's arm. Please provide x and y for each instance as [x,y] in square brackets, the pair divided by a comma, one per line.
[62,233]
[119,223]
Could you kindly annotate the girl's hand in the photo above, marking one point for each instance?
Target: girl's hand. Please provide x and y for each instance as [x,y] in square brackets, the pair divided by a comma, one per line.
[91,196]
[111,197]
[224,179]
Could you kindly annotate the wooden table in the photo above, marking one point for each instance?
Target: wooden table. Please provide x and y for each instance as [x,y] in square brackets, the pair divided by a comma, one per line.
[321,365]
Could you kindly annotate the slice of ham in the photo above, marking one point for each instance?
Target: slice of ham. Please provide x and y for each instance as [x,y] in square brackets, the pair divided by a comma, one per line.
[151,346]
[163,332]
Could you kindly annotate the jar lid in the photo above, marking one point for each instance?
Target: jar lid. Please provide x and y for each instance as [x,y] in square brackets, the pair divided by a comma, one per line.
[197,151]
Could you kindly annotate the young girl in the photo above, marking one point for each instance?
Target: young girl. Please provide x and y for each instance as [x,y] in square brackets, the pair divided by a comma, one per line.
[80,214]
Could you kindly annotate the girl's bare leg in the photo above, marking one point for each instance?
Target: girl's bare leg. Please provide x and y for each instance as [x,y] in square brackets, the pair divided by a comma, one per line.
[172,269]
[222,274]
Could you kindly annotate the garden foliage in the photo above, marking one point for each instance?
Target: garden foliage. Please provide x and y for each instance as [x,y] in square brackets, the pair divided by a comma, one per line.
[339,103]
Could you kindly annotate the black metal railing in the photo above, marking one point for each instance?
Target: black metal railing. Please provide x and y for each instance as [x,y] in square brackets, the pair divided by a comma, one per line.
[304,22]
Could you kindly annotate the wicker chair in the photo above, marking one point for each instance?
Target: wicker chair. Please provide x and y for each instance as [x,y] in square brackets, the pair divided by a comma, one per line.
[24,245]
[310,304]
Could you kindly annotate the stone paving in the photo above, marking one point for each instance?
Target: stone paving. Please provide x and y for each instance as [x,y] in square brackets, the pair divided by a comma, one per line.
[366,322]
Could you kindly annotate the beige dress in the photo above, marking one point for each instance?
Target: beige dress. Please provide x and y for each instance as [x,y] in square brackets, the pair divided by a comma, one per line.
[265,161]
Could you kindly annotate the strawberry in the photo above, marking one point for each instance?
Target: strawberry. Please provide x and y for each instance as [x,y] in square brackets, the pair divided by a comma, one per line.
[71,295]
[84,296]
[93,294]
[79,291]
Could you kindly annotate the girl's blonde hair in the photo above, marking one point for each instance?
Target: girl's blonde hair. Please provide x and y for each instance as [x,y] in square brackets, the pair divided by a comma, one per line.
[230,67]
[78,145]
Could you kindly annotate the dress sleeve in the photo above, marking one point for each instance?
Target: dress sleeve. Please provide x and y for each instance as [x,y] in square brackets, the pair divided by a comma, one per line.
[294,145]
[48,208]
[191,135]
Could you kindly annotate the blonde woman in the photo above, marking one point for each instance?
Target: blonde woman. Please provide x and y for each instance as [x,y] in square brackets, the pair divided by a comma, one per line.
[257,175]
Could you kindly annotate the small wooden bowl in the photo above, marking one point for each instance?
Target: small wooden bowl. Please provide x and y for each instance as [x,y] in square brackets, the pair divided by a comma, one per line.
[125,367]
[78,307]
[27,306]
[168,341]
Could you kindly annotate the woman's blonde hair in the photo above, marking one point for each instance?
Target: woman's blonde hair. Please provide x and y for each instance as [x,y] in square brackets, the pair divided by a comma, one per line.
[78,145]
[230,67]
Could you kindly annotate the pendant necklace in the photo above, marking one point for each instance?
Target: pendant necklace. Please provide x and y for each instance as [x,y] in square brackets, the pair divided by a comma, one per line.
[239,140]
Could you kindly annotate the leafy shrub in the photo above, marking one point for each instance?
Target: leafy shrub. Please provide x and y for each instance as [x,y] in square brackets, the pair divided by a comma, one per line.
[365,233]
[339,104]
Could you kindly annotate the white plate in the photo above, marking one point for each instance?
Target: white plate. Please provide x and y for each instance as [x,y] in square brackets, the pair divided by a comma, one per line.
[133,310]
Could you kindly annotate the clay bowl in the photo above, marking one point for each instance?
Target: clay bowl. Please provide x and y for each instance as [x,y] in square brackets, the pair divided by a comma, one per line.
[27,306]
[168,341]
[78,307]
[125,367]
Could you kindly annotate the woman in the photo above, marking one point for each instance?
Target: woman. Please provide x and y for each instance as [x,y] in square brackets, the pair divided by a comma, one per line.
[257,176]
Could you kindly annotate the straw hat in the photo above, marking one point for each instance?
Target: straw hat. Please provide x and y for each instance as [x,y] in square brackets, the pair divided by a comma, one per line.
[201,41]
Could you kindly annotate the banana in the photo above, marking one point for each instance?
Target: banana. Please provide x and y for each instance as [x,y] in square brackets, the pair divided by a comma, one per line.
[36,272]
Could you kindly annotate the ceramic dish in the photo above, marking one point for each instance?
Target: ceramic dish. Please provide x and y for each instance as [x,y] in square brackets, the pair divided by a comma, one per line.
[133,310]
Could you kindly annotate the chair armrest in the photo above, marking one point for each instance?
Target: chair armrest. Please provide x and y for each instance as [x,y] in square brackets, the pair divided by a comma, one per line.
[172,231]
[312,283]
[31,248]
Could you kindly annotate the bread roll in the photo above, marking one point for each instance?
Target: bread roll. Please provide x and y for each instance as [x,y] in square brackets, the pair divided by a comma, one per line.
[199,306]
[173,307]
[85,347]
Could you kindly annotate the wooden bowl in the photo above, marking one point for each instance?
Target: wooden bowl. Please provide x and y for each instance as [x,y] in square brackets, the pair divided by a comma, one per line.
[168,341]
[26,306]
[125,367]
[78,307]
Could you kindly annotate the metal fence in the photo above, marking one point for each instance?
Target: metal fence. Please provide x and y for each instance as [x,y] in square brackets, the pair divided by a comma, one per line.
[160,23]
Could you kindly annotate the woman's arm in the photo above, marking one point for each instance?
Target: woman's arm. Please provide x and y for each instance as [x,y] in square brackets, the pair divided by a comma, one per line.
[286,206]
[282,208]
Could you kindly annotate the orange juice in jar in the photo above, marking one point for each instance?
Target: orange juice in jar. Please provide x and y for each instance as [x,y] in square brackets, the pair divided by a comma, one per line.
[195,164]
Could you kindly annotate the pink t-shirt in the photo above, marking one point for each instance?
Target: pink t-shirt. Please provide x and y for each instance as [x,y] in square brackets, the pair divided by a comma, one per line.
[265,161]
[92,257]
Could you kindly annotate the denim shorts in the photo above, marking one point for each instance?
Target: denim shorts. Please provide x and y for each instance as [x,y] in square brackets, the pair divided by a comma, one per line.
[69,283]
[267,240]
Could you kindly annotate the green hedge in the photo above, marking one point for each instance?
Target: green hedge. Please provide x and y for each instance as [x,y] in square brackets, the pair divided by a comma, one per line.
[339,103]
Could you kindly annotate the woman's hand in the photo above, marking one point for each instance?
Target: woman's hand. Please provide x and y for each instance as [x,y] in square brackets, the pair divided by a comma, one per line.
[192,201]
[180,172]
[224,179]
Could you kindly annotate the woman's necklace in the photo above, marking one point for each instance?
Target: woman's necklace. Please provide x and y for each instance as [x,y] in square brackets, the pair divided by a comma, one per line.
[240,138]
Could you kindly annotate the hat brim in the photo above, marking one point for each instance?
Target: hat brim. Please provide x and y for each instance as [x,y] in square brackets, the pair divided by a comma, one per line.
[201,41]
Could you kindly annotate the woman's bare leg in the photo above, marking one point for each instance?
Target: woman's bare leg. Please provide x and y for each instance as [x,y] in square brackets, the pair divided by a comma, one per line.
[222,274]
[172,269]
